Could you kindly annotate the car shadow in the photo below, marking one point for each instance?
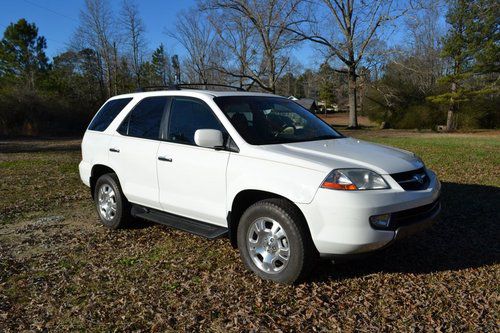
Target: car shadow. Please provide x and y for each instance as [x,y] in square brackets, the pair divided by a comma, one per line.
[467,235]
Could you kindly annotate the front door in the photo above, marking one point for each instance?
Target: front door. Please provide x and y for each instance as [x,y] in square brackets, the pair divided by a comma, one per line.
[192,179]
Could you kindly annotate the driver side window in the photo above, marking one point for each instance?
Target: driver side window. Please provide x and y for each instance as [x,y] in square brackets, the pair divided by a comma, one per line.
[188,115]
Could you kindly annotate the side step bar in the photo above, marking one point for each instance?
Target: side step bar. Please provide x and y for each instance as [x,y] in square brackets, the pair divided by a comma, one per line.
[196,227]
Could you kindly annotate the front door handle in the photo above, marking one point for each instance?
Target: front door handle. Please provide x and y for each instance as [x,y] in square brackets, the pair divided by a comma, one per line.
[114,150]
[164,159]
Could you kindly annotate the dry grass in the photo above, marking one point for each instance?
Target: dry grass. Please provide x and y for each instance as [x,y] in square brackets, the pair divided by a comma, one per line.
[61,271]
[341,119]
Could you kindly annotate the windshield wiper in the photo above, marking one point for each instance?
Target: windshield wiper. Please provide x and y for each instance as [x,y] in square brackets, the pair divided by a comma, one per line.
[291,140]
[324,137]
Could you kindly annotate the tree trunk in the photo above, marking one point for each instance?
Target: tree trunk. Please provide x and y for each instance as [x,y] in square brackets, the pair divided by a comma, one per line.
[115,70]
[137,67]
[450,125]
[272,86]
[103,83]
[31,79]
[360,94]
[272,71]
[353,101]
[242,71]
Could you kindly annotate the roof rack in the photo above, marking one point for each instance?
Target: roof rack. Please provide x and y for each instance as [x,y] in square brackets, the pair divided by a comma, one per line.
[154,88]
[186,85]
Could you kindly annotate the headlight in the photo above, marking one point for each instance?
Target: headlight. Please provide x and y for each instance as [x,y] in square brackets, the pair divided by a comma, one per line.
[354,179]
[419,160]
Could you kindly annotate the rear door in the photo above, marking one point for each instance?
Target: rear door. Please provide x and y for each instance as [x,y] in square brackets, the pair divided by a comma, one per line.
[133,151]
[96,141]
[192,179]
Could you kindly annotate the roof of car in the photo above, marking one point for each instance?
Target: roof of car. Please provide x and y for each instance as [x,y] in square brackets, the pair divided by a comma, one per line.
[194,92]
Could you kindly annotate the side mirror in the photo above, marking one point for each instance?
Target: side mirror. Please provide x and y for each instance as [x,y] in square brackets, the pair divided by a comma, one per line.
[208,138]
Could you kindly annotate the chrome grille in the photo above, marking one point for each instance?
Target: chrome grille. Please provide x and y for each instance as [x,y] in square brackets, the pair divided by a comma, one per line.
[414,180]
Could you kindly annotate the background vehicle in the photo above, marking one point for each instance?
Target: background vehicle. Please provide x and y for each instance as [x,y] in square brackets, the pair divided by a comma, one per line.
[281,183]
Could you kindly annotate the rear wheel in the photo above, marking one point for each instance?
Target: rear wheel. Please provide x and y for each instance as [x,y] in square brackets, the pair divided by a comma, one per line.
[273,241]
[112,206]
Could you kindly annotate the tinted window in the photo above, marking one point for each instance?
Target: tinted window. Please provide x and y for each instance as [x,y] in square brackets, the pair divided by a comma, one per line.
[270,120]
[107,113]
[187,116]
[145,119]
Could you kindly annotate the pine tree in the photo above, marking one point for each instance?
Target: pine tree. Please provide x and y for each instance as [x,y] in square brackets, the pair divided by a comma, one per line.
[327,84]
[22,53]
[161,65]
[472,45]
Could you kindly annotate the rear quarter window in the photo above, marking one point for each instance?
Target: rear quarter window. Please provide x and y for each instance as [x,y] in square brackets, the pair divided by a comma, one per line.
[107,113]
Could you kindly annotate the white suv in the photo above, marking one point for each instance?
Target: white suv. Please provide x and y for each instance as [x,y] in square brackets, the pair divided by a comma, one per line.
[283,185]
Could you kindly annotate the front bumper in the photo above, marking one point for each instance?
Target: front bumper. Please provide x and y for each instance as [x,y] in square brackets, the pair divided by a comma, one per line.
[339,220]
[419,222]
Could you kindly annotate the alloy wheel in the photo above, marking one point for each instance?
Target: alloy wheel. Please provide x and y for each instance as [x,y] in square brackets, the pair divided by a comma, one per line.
[268,245]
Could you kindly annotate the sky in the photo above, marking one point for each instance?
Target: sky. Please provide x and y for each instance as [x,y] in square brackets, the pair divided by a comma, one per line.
[58,19]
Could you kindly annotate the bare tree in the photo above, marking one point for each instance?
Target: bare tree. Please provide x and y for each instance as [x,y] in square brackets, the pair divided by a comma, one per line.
[424,38]
[134,29]
[237,37]
[197,36]
[417,64]
[346,31]
[96,31]
[257,32]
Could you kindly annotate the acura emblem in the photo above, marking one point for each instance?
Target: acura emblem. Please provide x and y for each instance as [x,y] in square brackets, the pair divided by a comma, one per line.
[419,178]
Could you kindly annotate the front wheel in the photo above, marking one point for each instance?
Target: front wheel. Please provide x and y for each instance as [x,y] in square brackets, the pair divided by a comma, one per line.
[274,242]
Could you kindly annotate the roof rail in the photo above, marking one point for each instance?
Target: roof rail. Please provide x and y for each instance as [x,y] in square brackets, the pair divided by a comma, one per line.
[154,88]
[186,85]
[189,85]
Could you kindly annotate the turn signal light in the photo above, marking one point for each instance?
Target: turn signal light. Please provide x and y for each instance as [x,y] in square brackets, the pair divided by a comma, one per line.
[336,186]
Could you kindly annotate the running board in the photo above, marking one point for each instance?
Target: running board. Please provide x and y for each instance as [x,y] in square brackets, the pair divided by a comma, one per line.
[196,227]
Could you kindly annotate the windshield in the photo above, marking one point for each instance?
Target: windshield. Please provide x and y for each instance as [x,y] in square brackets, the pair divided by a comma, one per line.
[270,120]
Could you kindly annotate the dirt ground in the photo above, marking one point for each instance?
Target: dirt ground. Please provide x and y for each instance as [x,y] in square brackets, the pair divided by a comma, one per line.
[60,270]
[342,119]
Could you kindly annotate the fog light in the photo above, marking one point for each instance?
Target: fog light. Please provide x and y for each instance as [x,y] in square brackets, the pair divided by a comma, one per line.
[380,221]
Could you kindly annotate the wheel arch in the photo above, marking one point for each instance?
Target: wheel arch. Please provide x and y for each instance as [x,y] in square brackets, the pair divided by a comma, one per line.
[97,171]
[245,199]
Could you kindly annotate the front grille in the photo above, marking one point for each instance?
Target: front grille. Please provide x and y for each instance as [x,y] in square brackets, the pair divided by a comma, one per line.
[414,180]
[413,215]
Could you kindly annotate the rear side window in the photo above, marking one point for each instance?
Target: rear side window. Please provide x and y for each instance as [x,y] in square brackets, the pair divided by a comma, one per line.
[107,113]
[144,120]
[189,115]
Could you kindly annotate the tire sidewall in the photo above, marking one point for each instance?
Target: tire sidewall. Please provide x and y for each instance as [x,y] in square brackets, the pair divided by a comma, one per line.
[296,262]
[111,181]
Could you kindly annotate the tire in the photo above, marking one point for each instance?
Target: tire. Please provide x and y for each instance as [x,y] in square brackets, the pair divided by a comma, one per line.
[274,242]
[112,207]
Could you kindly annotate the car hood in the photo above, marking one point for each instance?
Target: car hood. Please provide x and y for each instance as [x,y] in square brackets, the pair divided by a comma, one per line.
[346,153]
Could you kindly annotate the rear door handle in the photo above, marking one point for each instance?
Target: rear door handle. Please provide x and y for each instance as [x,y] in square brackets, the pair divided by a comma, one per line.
[164,159]
[114,150]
